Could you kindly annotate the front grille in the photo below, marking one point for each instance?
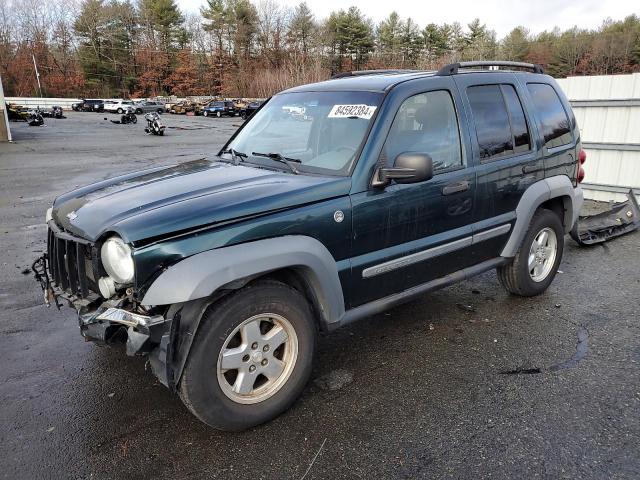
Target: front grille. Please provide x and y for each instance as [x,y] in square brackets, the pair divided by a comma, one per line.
[70,263]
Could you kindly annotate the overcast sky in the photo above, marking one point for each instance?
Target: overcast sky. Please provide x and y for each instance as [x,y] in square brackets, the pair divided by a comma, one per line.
[502,16]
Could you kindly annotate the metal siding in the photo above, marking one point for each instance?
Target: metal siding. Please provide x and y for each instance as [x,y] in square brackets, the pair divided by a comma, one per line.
[608,170]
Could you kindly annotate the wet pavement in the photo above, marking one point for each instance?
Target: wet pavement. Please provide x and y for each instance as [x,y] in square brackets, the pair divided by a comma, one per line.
[466,382]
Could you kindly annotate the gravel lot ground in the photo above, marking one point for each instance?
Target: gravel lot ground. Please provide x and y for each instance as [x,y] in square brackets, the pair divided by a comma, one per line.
[467,382]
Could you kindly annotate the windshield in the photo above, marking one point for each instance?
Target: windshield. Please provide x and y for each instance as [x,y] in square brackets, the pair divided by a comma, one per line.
[320,131]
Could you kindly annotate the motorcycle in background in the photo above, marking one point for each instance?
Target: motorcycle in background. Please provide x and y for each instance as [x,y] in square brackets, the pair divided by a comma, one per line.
[154,126]
[129,116]
[55,112]
[35,118]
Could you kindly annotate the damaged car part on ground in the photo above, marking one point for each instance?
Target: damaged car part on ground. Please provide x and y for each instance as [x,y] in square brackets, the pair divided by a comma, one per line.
[222,271]
[621,218]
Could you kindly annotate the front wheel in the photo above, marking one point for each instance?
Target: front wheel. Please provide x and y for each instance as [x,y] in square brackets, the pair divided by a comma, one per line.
[205,113]
[218,114]
[535,265]
[251,357]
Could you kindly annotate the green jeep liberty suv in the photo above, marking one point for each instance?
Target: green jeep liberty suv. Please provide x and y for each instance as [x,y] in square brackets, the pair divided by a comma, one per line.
[335,201]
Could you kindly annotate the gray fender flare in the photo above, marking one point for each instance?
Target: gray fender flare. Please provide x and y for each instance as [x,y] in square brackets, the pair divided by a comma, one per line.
[533,197]
[202,274]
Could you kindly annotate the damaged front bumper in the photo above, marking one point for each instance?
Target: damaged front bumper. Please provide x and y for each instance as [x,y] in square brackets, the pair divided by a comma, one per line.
[114,321]
[142,334]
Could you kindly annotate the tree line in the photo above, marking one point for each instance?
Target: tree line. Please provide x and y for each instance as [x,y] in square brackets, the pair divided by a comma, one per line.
[234,48]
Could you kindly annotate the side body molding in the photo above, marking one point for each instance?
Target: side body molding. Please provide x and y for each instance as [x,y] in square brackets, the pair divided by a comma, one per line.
[538,193]
[202,274]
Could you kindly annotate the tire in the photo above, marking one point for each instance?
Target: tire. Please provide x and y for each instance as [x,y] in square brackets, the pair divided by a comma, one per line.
[139,111]
[218,114]
[202,391]
[516,277]
[205,113]
[119,111]
[160,111]
[134,119]
[123,119]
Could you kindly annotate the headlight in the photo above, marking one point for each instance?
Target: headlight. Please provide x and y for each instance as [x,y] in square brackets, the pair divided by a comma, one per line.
[49,215]
[117,260]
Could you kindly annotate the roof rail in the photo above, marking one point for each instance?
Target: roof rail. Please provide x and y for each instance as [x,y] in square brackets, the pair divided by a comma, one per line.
[452,68]
[359,73]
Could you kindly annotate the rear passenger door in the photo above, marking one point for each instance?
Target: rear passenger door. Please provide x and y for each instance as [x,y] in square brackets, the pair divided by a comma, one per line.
[504,148]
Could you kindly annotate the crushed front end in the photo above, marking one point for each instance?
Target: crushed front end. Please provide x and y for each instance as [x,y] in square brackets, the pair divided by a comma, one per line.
[71,272]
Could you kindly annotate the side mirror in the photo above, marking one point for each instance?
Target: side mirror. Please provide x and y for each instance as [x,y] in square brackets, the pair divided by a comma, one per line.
[409,167]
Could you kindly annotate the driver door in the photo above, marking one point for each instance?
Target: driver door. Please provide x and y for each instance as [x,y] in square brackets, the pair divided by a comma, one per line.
[408,234]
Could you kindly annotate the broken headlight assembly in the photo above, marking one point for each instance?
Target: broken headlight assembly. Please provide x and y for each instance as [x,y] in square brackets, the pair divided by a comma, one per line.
[118,263]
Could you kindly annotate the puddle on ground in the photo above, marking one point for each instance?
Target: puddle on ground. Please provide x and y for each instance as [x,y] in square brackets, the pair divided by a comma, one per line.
[581,351]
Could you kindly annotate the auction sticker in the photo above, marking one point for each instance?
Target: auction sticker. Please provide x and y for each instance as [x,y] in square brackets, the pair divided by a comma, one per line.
[348,111]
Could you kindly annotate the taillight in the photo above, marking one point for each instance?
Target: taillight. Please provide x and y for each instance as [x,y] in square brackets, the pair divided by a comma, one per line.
[582,157]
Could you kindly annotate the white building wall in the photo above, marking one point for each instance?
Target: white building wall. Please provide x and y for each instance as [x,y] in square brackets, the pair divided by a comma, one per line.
[607,108]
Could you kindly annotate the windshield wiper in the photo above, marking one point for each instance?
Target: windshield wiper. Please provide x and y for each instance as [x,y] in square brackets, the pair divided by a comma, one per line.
[278,157]
[235,155]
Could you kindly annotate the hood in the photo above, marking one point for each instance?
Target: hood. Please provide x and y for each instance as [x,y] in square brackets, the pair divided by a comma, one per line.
[160,201]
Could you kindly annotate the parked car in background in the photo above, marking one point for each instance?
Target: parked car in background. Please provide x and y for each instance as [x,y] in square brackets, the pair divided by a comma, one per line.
[219,108]
[250,109]
[89,105]
[184,107]
[17,113]
[147,106]
[117,106]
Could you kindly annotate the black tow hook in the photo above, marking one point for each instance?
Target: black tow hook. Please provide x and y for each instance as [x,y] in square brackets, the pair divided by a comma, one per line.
[39,268]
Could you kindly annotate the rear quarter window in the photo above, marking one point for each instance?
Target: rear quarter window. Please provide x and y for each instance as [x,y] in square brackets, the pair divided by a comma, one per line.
[556,127]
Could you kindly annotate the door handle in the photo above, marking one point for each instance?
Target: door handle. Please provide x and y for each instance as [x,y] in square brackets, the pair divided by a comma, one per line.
[529,168]
[455,188]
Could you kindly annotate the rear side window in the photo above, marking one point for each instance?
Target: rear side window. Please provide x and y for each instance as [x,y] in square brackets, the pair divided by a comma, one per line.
[556,128]
[427,123]
[519,128]
[491,120]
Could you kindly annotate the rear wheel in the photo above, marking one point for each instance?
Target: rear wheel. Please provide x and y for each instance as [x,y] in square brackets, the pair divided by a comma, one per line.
[251,357]
[535,265]
[120,111]
[218,114]
[205,113]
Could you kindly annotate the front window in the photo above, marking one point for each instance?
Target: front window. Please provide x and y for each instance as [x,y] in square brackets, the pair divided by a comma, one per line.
[427,123]
[320,131]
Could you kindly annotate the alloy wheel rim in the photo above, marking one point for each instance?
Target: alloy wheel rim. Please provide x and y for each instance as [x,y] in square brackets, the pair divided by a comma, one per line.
[542,254]
[257,358]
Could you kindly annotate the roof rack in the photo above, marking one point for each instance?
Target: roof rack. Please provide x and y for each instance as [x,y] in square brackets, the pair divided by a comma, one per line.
[359,73]
[452,68]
